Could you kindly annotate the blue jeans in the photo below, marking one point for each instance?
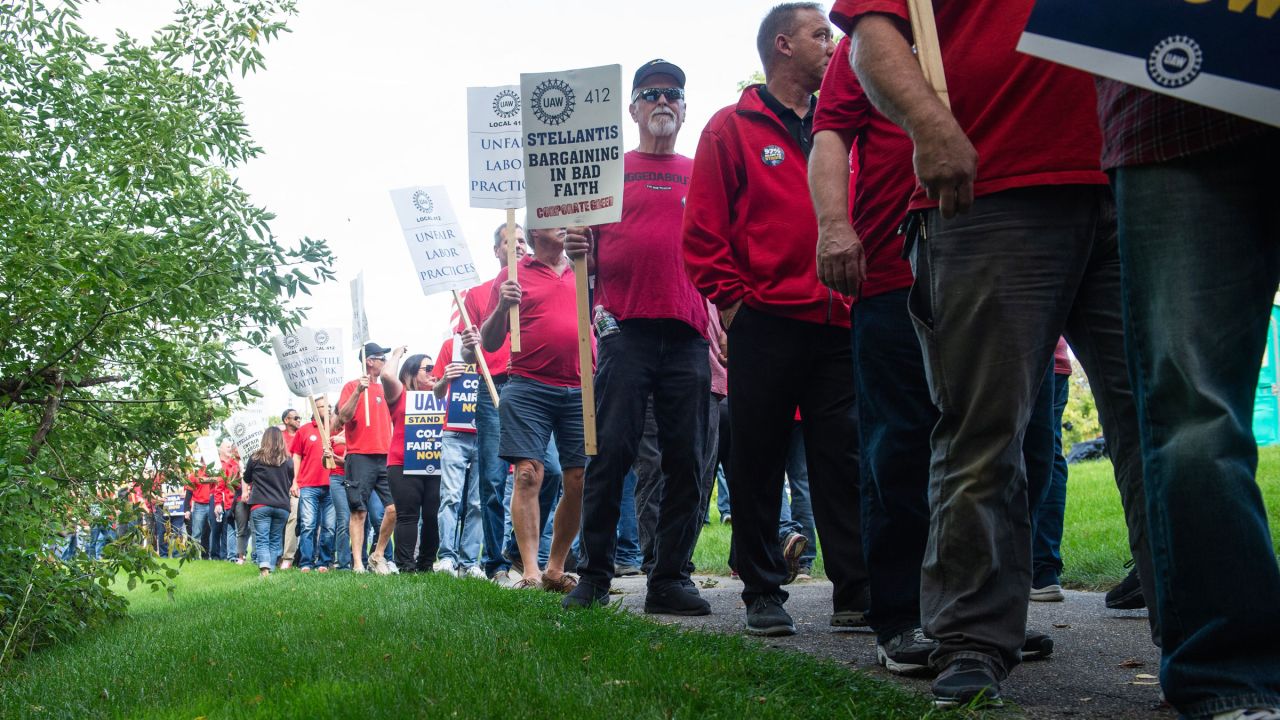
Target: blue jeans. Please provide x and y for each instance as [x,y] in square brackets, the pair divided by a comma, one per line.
[99,536]
[797,511]
[200,526]
[372,526]
[315,512]
[217,533]
[628,550]
[491,474]
[1046,549]
[268,534]
[341,522]
[1200,250]
[165,527]
[459,489]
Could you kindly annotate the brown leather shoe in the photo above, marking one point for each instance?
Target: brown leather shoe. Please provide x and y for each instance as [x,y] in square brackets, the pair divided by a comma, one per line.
[563,584]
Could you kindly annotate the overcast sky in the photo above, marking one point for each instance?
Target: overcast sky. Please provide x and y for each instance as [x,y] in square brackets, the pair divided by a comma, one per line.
[361,98]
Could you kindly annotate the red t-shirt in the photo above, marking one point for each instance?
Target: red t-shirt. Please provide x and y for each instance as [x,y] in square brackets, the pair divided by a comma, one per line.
[548,324]
[339,452]
[443,358]
[479,304]
[374,438]
[288,436]
[1061,360]
[639,266]
[881,185]
[395,453]
[308,445]
[201,492]
[1032,122]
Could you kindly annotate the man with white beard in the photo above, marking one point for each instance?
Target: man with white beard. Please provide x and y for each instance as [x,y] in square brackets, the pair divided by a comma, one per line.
[651,325]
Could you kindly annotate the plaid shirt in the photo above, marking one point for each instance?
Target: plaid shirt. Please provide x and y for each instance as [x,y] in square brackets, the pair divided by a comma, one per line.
[1140,127]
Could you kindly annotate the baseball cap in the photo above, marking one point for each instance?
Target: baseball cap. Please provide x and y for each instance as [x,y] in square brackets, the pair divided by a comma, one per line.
[658,67]
[372,348]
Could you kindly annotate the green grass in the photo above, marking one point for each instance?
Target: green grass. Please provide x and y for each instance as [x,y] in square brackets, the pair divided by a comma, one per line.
[1095,544]
[343,645]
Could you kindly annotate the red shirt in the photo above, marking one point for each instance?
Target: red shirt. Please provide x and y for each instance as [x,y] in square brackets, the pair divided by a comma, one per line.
[479,304]
[201,492]
[309,447]
[443,358]
[395,454]
[1032,122]
[750,232]
[374,438]
[288,435]
[639,269]
[548,324]
[881,185]
[339,452]
[1061,360]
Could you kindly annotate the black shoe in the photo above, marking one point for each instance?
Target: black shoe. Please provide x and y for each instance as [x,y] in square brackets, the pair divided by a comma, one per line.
[626,571]
[967,681]
[793,546]
[906,653]
[585,595]
[1128,594]
[765,616]
[855,615]
[674,600]
[1037,646]
[690,587]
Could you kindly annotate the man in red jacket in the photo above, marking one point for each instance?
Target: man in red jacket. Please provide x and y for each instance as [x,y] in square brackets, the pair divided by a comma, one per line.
[749,239]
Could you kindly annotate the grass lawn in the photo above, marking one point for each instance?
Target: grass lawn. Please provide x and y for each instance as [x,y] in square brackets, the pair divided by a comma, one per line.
[1095,544]
[343,645]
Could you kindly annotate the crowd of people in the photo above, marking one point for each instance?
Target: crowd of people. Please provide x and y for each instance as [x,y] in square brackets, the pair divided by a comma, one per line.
[854,306]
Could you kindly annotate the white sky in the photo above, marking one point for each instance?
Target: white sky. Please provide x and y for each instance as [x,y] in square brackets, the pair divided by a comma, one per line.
[361,98]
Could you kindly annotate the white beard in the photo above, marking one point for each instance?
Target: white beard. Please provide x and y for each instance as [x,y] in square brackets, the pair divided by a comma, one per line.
[662,124]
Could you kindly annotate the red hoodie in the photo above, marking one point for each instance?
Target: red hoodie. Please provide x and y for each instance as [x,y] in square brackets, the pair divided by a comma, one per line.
[750,232]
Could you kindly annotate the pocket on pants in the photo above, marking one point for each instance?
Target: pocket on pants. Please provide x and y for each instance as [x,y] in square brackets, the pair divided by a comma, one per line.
[920,304]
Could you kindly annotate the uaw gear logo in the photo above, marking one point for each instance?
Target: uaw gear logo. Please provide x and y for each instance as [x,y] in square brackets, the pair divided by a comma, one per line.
[1175,62]
[506,104]
[322,337]
[422,201]
[292,342]
[552,101]
[240,430]
[772,156]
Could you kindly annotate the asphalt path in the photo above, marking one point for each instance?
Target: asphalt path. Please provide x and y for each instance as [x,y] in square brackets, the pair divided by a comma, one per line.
[1103,664]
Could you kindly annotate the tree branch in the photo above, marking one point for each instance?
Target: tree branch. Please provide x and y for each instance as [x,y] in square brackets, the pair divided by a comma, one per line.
[46,422]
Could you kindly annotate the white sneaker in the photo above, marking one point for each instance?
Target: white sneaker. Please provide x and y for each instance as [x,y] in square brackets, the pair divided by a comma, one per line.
[1257,713]
[446,566]
[503,579]
[472,572]
[1048,593]
[380,566]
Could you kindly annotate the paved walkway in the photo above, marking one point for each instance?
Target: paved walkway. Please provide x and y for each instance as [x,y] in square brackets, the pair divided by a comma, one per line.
[1103,664]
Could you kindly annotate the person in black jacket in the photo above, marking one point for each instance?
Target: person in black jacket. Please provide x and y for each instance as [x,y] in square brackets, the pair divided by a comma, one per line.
[269,474]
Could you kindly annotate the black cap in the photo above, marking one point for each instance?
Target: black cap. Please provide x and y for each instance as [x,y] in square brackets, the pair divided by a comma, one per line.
[658,67]
[371,349]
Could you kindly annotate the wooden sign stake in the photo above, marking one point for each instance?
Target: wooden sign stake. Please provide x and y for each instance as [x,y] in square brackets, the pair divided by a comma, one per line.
[480,361]
[928,50]
[585,360]
[514,322]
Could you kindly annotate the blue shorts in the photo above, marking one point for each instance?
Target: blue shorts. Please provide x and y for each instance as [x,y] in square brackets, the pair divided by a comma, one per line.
[530,411]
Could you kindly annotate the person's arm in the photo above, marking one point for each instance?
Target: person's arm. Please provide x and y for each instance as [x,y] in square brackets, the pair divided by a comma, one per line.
[945,161]
[842,264]
[297,469]
[452,371]
[495,329]
[708,254]
[392,389]
[347,407]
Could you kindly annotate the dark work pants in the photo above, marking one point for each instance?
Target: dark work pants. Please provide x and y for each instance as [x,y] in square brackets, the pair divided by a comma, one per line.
[775,365]
[668,359]
[994,289]
[416,496]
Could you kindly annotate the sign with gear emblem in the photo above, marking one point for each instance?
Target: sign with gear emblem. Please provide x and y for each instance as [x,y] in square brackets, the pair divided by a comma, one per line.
[300,362]
[1209,52]
[494,149]
[435,240]
[572,143]
[245,429]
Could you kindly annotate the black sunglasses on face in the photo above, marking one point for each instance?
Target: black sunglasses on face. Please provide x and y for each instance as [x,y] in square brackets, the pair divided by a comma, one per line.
[652,94]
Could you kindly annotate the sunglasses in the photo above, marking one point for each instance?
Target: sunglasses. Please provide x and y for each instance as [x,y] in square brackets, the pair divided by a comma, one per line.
[652,94]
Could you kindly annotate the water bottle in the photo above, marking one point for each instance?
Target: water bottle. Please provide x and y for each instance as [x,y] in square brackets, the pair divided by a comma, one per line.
[605,323]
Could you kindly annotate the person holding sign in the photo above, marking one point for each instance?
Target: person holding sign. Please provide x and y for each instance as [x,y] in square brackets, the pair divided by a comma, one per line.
[311,487]
[368,435]
[1013,243]
[458,383]
[749,239]
[651,323]
[493,470]
[417,497]
[542,396]
[1196,192]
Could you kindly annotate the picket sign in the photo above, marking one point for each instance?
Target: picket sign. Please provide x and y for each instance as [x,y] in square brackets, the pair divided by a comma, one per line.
[928,50]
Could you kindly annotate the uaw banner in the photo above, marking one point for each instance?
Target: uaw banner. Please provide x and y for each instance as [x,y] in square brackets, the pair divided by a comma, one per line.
[1219,53]
[573,146]
[300,362]
[435,240]
[494,149]
[462,400]
[423,425]
[246,432]
[328,345]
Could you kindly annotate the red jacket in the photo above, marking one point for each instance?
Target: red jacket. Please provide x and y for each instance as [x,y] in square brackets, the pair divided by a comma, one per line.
[750,232]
